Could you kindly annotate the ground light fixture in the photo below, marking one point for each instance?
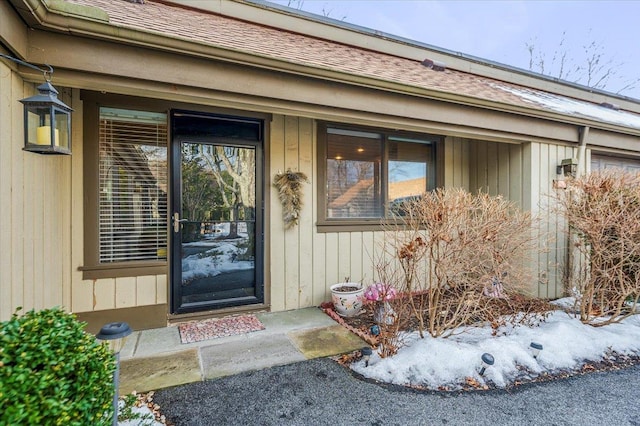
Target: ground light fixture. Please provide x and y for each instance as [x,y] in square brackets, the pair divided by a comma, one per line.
[487,361]
[535,349]
[366,355]
[47,120]
[114,334]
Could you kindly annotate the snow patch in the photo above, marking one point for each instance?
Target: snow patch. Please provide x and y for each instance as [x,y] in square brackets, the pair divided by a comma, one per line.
[567,343]
[573,106]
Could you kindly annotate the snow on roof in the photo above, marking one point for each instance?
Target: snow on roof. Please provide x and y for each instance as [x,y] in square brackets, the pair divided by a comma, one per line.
[573,107]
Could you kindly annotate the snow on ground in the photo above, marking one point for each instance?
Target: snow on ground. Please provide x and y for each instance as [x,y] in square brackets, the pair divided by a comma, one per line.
[216,258]
[567,344]
[146,418]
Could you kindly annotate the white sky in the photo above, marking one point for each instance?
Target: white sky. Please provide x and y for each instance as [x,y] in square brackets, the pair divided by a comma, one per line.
[500,30]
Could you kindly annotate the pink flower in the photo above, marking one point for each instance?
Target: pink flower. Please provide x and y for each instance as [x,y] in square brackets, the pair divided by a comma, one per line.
[371,293]
[379,291]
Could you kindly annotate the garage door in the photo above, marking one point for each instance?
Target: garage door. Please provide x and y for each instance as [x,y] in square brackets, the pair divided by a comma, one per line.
[602,162]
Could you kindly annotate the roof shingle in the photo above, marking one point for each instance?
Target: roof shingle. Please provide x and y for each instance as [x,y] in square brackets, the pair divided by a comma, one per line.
[254,39]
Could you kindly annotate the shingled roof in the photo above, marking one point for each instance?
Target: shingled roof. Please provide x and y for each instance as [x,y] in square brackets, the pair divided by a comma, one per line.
[223,32]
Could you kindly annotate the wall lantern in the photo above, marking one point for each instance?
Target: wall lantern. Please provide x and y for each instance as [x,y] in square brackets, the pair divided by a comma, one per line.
[114,334]
[568,167]
[47,120]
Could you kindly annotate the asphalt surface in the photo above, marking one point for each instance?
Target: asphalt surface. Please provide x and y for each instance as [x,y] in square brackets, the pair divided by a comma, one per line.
[321,392]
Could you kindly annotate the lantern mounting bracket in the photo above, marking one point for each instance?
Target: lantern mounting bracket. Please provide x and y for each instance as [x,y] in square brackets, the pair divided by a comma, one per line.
[48,72]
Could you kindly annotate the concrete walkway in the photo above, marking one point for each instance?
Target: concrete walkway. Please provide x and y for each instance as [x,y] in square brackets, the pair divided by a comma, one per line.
[156,359]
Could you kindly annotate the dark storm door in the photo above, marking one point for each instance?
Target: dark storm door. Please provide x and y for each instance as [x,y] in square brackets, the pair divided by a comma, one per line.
[216,222]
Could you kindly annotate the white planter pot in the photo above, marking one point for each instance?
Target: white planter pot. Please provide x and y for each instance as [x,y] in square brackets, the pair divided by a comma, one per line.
[347,303]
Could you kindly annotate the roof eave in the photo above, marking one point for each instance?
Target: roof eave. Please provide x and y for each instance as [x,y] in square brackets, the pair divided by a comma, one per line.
[54,15]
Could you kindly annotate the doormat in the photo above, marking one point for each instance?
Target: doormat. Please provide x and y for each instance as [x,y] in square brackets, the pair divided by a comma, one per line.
[197,331]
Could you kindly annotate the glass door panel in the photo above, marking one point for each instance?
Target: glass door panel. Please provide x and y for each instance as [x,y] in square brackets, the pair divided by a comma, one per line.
[217,252]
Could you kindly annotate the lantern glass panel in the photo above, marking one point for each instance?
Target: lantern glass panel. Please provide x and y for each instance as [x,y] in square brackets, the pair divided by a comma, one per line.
[62,123]
[38,125]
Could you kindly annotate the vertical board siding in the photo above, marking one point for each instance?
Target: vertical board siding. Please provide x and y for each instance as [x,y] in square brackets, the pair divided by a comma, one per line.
[292,236]
[306,223]
[457,173]
[276,228]
[539,164]
[524,174]
[496,169]
[35,194]
[17,197]
[7,100]
[43,243]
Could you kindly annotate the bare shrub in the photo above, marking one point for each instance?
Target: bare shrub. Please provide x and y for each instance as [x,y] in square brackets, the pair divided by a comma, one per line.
[454,253]
[394,325]
[603,211]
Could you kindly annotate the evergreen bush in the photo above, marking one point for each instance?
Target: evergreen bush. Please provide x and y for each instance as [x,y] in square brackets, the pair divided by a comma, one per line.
[52,372]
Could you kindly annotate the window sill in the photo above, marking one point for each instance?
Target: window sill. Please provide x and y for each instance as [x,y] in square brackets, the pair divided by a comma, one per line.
[352,225]
[334,226]
[119,270]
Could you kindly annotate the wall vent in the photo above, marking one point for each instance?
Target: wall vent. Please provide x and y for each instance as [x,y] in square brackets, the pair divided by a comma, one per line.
[434,65]
[610,106]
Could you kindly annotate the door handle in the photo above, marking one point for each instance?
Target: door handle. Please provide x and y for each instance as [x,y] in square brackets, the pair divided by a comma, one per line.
[177,221]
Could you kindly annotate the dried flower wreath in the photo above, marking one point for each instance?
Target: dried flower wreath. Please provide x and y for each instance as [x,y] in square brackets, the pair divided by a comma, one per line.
[289,185]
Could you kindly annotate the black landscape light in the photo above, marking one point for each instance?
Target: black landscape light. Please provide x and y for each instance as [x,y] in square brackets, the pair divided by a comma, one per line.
[535,349]
[366,355]
[114,334]
[487,361]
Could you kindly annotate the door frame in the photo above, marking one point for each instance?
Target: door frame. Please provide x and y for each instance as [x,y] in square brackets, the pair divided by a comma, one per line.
[175,238]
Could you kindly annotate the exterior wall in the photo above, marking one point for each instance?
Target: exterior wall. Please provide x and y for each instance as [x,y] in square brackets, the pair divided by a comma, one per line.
[540,162]
[456,163]
[496,169]
[305,263]
[35,199]
[524,174]
[302,263]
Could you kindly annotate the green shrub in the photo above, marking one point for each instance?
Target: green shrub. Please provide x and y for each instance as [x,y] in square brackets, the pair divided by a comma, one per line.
[52,372]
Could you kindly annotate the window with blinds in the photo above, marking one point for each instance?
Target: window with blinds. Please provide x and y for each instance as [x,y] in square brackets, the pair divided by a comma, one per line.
[354,159]
[132,222]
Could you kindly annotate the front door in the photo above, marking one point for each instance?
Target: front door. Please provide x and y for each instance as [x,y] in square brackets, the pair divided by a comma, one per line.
[216,222]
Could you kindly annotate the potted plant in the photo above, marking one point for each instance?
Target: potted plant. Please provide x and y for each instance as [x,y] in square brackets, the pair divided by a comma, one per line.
[347,298]
[380,294]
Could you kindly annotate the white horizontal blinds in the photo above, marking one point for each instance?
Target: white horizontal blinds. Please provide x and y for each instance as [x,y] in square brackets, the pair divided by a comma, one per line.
[353,174]
[411,169]
[133,186]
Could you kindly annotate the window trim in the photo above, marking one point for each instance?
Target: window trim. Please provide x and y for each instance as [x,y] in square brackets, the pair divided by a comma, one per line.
[92,268]
[324,224]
